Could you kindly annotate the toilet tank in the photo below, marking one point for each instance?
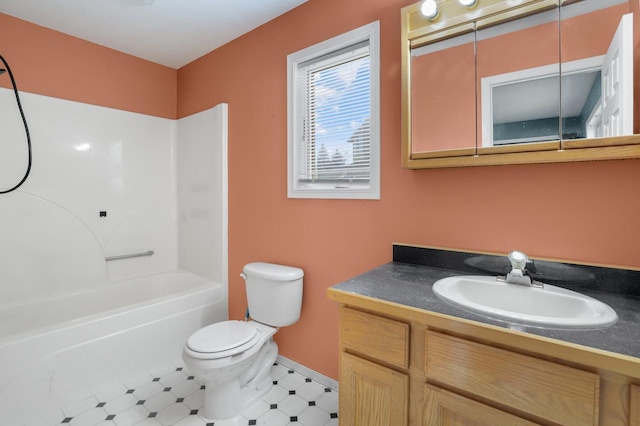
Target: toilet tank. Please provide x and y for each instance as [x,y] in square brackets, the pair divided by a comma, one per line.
[274,293]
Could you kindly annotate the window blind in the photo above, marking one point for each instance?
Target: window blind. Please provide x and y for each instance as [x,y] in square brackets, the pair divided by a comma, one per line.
[335,97]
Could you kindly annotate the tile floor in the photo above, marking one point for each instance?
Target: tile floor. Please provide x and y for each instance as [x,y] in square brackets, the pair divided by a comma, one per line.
[170,396]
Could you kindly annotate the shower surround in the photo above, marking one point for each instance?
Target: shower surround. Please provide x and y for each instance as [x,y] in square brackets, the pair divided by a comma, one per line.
[103,183]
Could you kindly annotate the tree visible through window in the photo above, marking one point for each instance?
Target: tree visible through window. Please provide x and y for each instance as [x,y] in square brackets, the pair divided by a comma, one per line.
[339,116]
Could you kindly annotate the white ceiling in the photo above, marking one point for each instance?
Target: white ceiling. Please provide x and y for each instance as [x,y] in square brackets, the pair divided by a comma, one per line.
[168,32]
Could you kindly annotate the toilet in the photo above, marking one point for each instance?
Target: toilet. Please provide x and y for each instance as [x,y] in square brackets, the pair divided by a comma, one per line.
[234,358]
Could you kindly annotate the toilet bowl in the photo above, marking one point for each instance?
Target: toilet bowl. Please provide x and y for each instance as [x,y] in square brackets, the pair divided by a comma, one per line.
[228,356]
[234,358]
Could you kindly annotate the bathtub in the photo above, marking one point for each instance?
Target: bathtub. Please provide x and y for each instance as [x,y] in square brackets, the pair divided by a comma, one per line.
[57,351]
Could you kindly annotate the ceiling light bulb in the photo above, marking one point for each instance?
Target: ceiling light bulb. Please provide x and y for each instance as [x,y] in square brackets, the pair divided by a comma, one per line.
[468,3]
[429,9]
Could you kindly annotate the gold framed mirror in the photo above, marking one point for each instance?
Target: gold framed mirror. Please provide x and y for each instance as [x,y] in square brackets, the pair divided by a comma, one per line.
[518,81]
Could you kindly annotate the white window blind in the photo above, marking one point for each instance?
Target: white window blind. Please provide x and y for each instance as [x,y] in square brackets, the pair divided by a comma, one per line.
[333,114]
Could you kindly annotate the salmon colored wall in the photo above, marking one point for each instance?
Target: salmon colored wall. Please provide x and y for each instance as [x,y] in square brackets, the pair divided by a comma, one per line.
[590,34]
[634,7]
[54,64]
[527,48]
[578,211]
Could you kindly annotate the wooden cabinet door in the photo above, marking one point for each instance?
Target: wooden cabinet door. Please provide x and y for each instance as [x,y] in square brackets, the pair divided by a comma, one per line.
[444,408]
[371,395]
[634,415]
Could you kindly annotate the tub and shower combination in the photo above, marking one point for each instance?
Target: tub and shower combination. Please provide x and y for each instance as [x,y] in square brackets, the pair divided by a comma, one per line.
[55,351]
[105,182]
[71,323]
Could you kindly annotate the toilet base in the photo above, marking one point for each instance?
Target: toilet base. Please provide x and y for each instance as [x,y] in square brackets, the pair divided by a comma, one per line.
[224,401]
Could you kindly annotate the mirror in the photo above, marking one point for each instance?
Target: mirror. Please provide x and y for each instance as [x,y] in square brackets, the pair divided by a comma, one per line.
[539,90]
[597,69]
[443,77]
[518,77]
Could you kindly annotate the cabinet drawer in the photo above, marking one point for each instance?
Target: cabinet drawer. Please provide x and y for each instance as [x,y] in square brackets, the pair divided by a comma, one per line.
[634,415]
[547,390]
[373,336]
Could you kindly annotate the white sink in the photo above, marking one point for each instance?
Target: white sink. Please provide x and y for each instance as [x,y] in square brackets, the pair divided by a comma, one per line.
[550,306]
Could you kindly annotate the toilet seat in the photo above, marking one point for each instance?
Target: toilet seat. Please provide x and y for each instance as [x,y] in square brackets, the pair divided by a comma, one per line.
[222,339]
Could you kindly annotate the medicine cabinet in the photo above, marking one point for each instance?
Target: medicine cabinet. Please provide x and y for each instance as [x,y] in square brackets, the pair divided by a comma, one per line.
[518,81]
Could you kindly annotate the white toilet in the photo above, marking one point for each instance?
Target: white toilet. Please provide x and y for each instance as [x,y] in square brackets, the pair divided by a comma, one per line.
[234,358]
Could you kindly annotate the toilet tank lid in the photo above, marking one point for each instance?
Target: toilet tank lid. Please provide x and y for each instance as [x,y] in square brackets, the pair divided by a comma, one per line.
[272,271]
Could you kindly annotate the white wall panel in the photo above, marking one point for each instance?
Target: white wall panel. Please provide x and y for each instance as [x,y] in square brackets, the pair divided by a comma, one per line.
[86,159]
[202,193]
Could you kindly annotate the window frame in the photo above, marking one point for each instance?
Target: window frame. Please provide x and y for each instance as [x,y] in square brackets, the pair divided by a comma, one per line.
[370,33]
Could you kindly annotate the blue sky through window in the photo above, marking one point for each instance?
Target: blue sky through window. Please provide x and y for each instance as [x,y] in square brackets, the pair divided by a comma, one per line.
[342,105]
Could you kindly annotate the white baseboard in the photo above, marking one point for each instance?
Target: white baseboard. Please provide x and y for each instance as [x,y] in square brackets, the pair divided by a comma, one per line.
[307,372]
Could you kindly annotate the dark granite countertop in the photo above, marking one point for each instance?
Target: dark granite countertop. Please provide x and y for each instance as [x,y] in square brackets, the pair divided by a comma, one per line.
[411,285]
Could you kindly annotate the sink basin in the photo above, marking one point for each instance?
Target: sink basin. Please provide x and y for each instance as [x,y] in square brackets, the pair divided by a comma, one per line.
[549,307]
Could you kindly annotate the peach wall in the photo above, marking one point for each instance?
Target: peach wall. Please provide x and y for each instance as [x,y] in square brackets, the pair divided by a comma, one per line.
[578,211]
[634,7]
[590,34]
[54,64]
[528,48]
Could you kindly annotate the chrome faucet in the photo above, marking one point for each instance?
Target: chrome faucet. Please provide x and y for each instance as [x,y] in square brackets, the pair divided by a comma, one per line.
[519,275]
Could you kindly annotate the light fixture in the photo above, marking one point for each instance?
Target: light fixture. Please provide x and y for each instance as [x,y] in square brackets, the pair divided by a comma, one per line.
[468,3]
[429,9]
[83,147]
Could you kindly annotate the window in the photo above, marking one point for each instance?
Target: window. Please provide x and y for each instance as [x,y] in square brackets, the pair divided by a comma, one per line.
[333,114]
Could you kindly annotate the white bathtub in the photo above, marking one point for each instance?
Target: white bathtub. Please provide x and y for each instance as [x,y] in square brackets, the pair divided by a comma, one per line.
[57,351]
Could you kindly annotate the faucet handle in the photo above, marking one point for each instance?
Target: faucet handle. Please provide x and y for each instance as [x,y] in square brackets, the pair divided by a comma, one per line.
[518,260]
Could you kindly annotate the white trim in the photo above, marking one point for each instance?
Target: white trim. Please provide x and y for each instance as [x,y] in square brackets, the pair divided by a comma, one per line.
[486,92]
[528,140]
[370,33]
[225,199]
[307,372]
[593,63]
[594,122]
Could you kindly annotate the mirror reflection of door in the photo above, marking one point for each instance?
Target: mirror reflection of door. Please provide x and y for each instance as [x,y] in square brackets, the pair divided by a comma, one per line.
[596,88]
[599,32]
[617,82]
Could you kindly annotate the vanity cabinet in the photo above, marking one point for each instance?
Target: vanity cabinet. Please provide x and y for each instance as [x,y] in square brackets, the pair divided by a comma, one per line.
[542,389]
[373,392]
[383,339]
[443,408]
[407,366]
[635,406]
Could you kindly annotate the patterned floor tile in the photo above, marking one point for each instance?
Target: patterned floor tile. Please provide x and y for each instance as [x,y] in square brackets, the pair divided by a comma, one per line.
[169,396]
